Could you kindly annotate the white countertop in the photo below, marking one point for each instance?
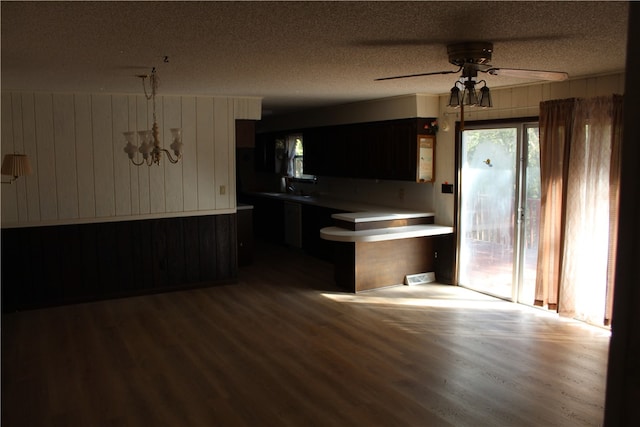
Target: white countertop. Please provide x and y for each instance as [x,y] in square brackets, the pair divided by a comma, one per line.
[358,211]
[338,234]
[379,215]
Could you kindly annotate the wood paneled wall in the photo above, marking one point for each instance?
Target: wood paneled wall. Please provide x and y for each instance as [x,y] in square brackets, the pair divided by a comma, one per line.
[81,173]
[52,265]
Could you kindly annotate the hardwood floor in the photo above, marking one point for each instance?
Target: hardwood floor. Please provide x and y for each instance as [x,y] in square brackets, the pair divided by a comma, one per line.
[284,347]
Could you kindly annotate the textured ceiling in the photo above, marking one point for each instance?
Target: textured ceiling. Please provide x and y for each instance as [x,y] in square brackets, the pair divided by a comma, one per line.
[296,54]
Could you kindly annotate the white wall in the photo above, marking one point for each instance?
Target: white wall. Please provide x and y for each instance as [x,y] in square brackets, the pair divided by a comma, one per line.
[520,101]
[81,173]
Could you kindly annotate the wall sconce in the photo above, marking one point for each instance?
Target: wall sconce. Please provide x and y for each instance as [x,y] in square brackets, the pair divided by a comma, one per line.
[15,165]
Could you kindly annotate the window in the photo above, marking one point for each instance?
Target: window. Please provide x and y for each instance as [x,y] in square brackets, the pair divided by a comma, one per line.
[298,155]
[290,157]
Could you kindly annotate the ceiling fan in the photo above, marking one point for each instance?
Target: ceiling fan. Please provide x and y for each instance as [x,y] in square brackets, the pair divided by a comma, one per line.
[474,57]
[471,58]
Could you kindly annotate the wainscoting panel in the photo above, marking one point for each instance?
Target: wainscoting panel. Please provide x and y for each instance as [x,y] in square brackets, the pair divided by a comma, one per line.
[84,152]
[46,156]
[205,150]
[172,118]
[54,265]
[190,157]
[65,156]
[102,155]
[122,180]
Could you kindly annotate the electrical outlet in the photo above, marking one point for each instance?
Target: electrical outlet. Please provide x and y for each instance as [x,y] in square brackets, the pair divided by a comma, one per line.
[223,190]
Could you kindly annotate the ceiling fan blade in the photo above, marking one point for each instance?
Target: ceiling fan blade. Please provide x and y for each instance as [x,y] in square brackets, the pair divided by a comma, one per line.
[419,75]
[529,74]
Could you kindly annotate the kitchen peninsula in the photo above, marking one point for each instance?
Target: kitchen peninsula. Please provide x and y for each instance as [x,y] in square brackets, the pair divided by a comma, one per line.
[371,246]
[378,249]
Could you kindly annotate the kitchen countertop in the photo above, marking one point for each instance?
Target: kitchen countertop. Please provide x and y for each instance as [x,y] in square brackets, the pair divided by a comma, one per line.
[338,234]
[387,214]
[357,211]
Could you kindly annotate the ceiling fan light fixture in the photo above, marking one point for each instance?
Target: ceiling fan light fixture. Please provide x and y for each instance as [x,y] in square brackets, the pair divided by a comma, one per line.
[470,95]
[454,98]
[485,97]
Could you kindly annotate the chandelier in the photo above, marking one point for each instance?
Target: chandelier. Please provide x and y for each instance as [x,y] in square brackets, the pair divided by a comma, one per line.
[149,146]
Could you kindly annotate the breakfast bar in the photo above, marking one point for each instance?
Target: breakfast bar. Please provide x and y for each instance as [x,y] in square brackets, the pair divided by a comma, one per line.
[378,249]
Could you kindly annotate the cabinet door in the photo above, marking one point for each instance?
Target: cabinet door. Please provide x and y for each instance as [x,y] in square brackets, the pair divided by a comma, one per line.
[426,158]
[375,150]
[265,154]
[403,151]
[351,162]
[371,151]
[245,133]
[268,218]
[315,218]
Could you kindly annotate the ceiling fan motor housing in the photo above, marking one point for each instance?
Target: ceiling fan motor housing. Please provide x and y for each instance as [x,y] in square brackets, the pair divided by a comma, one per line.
[470,53]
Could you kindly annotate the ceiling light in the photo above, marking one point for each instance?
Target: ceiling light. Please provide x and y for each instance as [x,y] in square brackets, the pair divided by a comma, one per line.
[485,97]
[469,96]
[454,98]
[149,146]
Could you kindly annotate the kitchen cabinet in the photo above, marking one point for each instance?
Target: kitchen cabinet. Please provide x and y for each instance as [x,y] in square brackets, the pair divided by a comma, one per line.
[293,224]
[375,150]
[426,158]
[268,218]
[315,218]
[265,153]
[282,221]
[245,133]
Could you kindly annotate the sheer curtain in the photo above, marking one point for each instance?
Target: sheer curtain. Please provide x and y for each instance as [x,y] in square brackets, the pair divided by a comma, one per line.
[579,149]
[290,147]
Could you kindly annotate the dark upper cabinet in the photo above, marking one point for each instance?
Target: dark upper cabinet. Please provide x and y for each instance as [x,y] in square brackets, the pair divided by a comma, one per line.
[404,151]
[316,151]
[265,153]
[375,150]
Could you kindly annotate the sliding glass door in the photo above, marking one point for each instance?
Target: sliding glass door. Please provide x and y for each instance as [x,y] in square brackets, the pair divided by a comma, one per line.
[498,210]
